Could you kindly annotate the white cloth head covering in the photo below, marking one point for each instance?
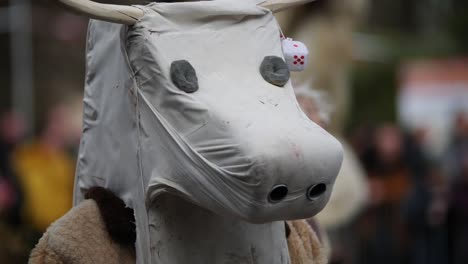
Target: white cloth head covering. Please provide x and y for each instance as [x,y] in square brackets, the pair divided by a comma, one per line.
[223,147]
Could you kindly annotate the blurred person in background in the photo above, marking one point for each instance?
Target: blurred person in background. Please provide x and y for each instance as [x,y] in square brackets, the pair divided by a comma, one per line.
[425,207]
[46,169]
[382,230]
[350,191]
[406,220]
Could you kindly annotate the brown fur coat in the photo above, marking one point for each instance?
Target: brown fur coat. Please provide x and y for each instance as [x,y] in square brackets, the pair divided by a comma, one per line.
[101,230]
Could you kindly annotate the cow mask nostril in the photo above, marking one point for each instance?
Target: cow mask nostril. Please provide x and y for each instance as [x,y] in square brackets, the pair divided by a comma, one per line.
[316,190]
[183,75]
[278,193]
[274,70]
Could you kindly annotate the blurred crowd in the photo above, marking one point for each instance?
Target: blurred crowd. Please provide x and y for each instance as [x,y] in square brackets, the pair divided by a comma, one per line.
[417,205]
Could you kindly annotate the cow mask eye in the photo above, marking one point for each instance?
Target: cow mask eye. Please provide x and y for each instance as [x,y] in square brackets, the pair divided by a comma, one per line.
[183,76]
[274,70]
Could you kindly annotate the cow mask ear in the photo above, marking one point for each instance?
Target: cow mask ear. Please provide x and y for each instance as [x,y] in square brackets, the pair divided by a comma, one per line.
[183,76]
[274,70]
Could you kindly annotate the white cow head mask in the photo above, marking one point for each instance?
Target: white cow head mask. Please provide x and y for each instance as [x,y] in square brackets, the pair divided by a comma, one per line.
[194,100]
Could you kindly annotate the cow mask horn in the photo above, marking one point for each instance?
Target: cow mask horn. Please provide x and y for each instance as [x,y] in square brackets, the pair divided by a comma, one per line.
[128,15]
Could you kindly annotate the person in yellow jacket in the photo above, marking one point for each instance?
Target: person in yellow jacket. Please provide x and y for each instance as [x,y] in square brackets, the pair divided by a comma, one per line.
[45,172]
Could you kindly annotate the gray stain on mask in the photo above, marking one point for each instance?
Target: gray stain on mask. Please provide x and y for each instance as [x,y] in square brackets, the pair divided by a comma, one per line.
[274,70]
[183,76]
